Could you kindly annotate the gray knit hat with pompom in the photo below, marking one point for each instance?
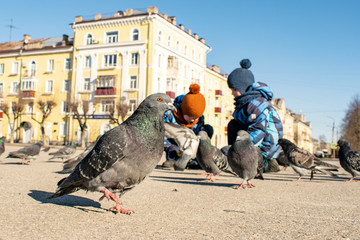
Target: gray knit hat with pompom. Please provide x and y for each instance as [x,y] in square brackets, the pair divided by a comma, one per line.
[241,78]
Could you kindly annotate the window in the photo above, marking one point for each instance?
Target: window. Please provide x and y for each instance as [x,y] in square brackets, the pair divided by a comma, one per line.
[63,129]
[110,60]
[132,104]
[66,85]
[159,60]
[160,36]
[105,82]
[89,39]
[177,45]
[134,58]
[67,64]
[29,108]
[15,68]
[29,85]
[86,84]
[1,89]
[64,107]
[133,82]
[14,87]
[88,62]
[107,105]
[171,84]
[49,86]
[111,37]
[169,41]
[2,68]
[135,35]
[185,50]
[32,70]
[50,65]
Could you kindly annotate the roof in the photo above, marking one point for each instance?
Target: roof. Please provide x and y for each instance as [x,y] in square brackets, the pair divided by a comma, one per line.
[36,44]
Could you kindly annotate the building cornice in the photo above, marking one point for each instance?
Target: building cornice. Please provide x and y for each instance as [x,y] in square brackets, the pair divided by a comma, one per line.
[112,45]
[36,52]
[182,32]
[111,22]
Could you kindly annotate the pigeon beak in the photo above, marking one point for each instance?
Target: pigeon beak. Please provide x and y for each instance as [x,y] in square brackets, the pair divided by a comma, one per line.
[172,107]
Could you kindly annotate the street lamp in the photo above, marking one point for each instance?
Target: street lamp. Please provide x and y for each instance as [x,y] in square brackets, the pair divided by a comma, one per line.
[332,137]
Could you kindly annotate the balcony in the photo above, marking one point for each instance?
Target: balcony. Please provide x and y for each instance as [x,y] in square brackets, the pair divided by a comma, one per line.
[28,94]
[217,110]
[105,92]
[171,94]
[218,93]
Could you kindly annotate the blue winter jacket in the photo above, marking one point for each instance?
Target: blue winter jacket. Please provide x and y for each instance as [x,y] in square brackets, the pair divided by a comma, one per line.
[255,114]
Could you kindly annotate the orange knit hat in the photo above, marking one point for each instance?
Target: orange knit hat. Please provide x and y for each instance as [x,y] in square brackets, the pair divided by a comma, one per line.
[193,103]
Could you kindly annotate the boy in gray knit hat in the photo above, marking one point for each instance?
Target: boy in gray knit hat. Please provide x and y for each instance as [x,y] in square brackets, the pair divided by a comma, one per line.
[254,112]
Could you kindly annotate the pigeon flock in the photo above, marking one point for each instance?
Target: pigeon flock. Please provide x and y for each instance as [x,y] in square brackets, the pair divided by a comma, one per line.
[113,164]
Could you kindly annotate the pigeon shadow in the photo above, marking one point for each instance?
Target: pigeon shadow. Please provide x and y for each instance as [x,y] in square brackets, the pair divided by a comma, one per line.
[194,181]
[76,202]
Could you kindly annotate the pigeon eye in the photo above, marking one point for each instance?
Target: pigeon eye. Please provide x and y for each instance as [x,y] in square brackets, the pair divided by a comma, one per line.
[159,99]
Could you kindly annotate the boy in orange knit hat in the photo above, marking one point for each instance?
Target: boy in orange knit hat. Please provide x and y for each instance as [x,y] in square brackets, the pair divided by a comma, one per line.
[190,110]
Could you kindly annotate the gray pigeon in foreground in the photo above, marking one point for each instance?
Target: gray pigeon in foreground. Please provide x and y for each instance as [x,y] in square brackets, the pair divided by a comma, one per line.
[210,158]
[304,162]
[27,153]
[123,156]
[64,152]
[186,140]
[349,159]
[244,158]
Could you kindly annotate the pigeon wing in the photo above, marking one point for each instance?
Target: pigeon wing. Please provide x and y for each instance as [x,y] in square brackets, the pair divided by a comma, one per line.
[108,150]
[353,159]
[301,158]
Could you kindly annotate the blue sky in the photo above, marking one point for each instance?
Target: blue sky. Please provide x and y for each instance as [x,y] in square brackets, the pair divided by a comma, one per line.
[307,51]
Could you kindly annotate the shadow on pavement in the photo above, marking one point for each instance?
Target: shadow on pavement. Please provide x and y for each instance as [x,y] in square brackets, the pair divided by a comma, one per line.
[66,200]
[195,181]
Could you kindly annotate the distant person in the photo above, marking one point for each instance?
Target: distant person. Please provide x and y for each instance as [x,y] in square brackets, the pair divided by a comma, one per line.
[190,109]
[254,113]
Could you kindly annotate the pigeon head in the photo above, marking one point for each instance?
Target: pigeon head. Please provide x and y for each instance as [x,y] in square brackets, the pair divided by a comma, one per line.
[344,145]
[203,135]
[286,145]
[242,135]
[159,102]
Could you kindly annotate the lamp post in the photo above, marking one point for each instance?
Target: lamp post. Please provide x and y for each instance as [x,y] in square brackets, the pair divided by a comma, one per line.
[332,137]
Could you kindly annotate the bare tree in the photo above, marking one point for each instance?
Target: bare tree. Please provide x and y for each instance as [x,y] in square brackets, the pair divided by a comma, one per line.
[121,111]
[351,123]
[13,116]
[81,113]
[45,108]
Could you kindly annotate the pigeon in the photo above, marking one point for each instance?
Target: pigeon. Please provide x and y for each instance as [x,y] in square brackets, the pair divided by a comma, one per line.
[210,158]
[260,169]
[304,162]
[2,145]
[46,149]
[282,160]
[186,140]
[124,155]
[244,158]
[27,153]
[64,153]
[71,163]
[349,159]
